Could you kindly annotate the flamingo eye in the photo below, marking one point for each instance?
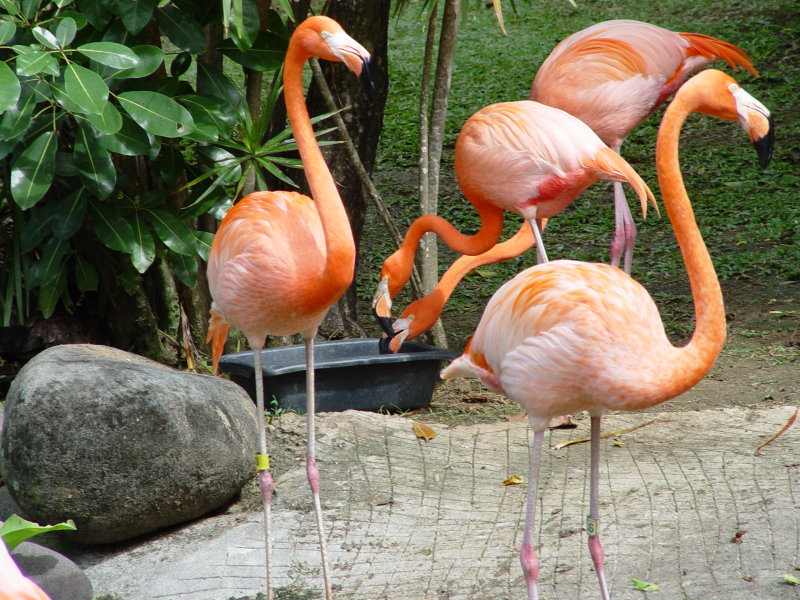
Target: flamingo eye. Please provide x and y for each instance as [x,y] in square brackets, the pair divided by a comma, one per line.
[325,35]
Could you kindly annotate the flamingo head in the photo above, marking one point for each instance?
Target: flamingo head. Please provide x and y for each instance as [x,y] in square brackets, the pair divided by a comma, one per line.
[721,96]
[324,38]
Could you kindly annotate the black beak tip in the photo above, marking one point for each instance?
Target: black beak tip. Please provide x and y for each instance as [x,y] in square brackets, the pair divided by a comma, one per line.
[383,345]
[368,80]
[765,145]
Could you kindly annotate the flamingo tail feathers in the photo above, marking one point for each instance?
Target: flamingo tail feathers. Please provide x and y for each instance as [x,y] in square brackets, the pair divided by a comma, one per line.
[614,167]
[712,48]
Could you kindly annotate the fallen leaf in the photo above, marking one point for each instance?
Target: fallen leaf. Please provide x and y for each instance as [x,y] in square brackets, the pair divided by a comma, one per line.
[791,579]
[779,432]
[423,431]
[737,538]
[513,480]
[643,586]
[607,435]
[617,444]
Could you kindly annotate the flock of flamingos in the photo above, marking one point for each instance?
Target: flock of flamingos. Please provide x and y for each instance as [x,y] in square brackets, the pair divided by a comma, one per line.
[560,337]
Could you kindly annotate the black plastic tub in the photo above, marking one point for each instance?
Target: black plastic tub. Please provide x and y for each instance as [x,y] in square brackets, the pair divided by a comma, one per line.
[350,374]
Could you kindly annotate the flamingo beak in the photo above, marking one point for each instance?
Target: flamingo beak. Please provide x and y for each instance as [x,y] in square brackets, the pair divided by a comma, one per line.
[382,310]
[764,145]
[367,79]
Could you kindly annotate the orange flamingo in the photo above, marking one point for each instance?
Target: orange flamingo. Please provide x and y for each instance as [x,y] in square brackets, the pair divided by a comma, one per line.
[523,157]
[611,76]
[615,74]
[13,584]
[568,336]
[281,259]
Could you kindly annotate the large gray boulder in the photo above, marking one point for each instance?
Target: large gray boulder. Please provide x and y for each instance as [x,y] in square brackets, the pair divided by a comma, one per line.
[121,444]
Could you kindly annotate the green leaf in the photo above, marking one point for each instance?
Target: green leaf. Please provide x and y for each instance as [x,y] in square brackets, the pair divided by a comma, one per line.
[70,210]
[184,268]
[111,229]
[110,54]
[226,165]
[16,120]
[144,247]
[788,578]
[49,267]
[50,294]
[32,172]
[32,63]
[130,140]
[65,31]
[108,122]
[212,82]
[643,586]
[180,64]
[38,226]
[175,234]
[150,59]
[266,53]
[9,88]
[181,28]
[134,15]
[209,110]
[203,240]
[16,530]
[247,26]
[170,164]
[95,167]
[45,38]
[85,88]
[86,276]
[156,113]
[7,31]
[96,12]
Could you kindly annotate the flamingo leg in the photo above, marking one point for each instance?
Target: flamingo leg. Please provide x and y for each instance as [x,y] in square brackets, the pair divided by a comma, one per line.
[527,553]
[262,465]
[593,520]
[311,462]
[541,255]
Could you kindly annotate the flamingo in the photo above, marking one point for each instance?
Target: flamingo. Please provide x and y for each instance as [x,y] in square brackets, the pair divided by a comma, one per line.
[13,584]
[615,74]
[568,336]
[524,157]
[611,76]
[280,259]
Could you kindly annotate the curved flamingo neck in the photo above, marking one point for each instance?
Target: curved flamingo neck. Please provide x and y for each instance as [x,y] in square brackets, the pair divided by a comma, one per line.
[340,261]
[709,334]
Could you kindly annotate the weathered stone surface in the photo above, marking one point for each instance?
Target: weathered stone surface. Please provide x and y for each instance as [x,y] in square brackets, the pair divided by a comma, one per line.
[57,575]
[122,444]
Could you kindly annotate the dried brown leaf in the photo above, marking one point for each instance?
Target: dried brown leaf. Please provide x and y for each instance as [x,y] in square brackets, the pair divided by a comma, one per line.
[513,480]
[779,432]
[607,435]
[423,431]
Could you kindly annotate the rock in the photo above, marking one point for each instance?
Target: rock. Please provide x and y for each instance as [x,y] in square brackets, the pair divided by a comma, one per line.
[121,444]
[57,575]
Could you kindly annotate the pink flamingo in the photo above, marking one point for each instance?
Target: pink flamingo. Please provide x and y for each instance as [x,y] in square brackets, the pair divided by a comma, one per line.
[568,336]
[281,259]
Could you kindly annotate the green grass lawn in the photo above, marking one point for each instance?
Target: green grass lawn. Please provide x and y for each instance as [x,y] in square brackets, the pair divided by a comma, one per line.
[749,218]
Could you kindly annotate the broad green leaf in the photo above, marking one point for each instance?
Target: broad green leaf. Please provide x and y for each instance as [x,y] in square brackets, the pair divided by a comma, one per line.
[32,63]
[38,226]
[226,165]
[150,59]
[11,6]
[49,267]
[96,12]
[203,240]
[247,25]
[212,82]
[32,171]
[66,30]
[85,88]
[643,586]
[184,267]
[110,54]
[16,530]
[156,113]
[70,211]
[134,15]
[181,28]
[95,167]
[175,234]
[130,140]
[209,110]
[111,229]
[180,64]
[144,247]
[50,294]
[266,53]
[9,88]
[65,165]
[7,31]
[86,276]
[79,18]
[203,132]
[789,578]
[16,120]
[45,38]
[108,122]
